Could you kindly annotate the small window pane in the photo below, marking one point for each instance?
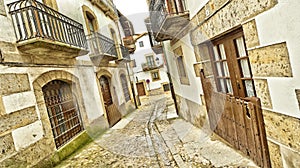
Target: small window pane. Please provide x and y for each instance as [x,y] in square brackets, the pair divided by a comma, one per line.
[219,69]
[226,71]
[223,85]
[222,51]
[241,47]
[216,53]
[229,85]
[245,68]
[249,88]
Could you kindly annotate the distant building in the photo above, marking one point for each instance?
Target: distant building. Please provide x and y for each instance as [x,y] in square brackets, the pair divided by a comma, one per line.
[149,68]
[63,77]
[236,64]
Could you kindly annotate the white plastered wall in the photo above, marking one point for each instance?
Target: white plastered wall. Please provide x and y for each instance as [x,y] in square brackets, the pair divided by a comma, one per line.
[194,89]
[285,28]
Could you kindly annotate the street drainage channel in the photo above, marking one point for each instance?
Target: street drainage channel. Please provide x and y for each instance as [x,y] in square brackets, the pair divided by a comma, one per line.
[154,139]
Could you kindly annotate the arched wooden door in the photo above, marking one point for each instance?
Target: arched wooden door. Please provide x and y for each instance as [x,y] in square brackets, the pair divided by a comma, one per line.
[63,111]
[113,115]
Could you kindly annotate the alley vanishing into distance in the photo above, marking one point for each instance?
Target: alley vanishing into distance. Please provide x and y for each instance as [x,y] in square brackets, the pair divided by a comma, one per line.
[154,136]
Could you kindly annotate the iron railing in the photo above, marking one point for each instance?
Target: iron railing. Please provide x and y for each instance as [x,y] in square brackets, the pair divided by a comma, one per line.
[32,19]
[159,12]
[150,66]
[100,44]
[125,52]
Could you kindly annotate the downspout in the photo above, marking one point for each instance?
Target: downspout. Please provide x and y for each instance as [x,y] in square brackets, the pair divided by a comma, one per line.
[170,80]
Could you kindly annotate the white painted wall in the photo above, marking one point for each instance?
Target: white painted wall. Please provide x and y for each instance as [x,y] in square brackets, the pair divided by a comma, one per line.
[140,57]
[285,28]
[194,6]
[191,92]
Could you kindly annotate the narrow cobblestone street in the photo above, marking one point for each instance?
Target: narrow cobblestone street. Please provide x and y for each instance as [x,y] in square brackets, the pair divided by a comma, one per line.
[154,136]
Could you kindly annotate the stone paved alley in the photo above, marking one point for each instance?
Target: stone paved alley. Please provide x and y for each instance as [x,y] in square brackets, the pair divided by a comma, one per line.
[154,136]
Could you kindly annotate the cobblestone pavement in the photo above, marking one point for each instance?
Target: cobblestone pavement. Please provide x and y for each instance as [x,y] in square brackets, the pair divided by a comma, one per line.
[154,136]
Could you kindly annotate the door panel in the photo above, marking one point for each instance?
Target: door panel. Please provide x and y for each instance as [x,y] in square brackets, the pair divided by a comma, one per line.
[234,112]
[113,114]
[141,89]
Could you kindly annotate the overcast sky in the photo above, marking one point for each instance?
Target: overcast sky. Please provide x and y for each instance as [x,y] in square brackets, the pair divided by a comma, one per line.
[136,11]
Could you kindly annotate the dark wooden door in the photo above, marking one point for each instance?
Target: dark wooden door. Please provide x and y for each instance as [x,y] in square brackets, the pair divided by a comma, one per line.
[233,110]
[113,115]
[63,111]
[141,89]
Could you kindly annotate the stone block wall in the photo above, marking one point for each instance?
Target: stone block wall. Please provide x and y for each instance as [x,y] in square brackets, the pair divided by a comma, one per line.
[270,61]
[25,132]
[192,112]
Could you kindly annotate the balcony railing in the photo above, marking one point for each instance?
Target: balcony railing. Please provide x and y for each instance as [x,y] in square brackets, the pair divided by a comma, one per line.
[101,45]
[150,66]
[166,22]
[156,46]
[32,19]
[125,53]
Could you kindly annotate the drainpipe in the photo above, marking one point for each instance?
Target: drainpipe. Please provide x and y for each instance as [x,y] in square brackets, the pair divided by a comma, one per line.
[170,80]
[132,83]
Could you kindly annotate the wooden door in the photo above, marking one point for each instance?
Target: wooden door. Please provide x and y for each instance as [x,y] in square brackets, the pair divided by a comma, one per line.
[234,112]
[63,111]
[141,89]
[113,115]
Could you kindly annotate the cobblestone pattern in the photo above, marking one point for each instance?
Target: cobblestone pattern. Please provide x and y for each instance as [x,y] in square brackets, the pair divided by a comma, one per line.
[148,137]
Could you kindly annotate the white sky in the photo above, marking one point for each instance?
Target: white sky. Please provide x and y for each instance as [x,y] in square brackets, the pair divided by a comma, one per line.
[136,11]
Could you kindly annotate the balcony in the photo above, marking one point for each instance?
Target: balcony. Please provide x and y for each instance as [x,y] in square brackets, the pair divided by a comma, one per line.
[150,66]
[125,54]
[102,49]
[129,43]
[108,7]
[156,46]
[42,31]
[167,20]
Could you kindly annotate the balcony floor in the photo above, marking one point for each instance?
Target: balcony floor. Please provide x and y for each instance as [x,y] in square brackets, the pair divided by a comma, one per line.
[172,26]
[46,47]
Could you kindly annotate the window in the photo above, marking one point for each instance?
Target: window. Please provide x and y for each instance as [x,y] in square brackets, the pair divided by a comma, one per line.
[155,75]
[90,20]
[150,61]
[231,64]
[141,43]
[51,3]
[181,67]
[125,87]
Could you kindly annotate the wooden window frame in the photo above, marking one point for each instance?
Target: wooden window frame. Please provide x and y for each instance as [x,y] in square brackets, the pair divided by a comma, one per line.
[183,75]
[153,64]
[141,43]
[87,11]
[229,41]
[152,75]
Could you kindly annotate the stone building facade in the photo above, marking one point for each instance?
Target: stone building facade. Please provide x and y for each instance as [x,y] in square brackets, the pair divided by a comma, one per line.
[252,47]
[59,87]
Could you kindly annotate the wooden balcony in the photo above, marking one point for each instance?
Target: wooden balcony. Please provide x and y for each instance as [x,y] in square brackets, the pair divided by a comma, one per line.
[102,49]
[41,31]
[166,24]
[129,43]
[108,7]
